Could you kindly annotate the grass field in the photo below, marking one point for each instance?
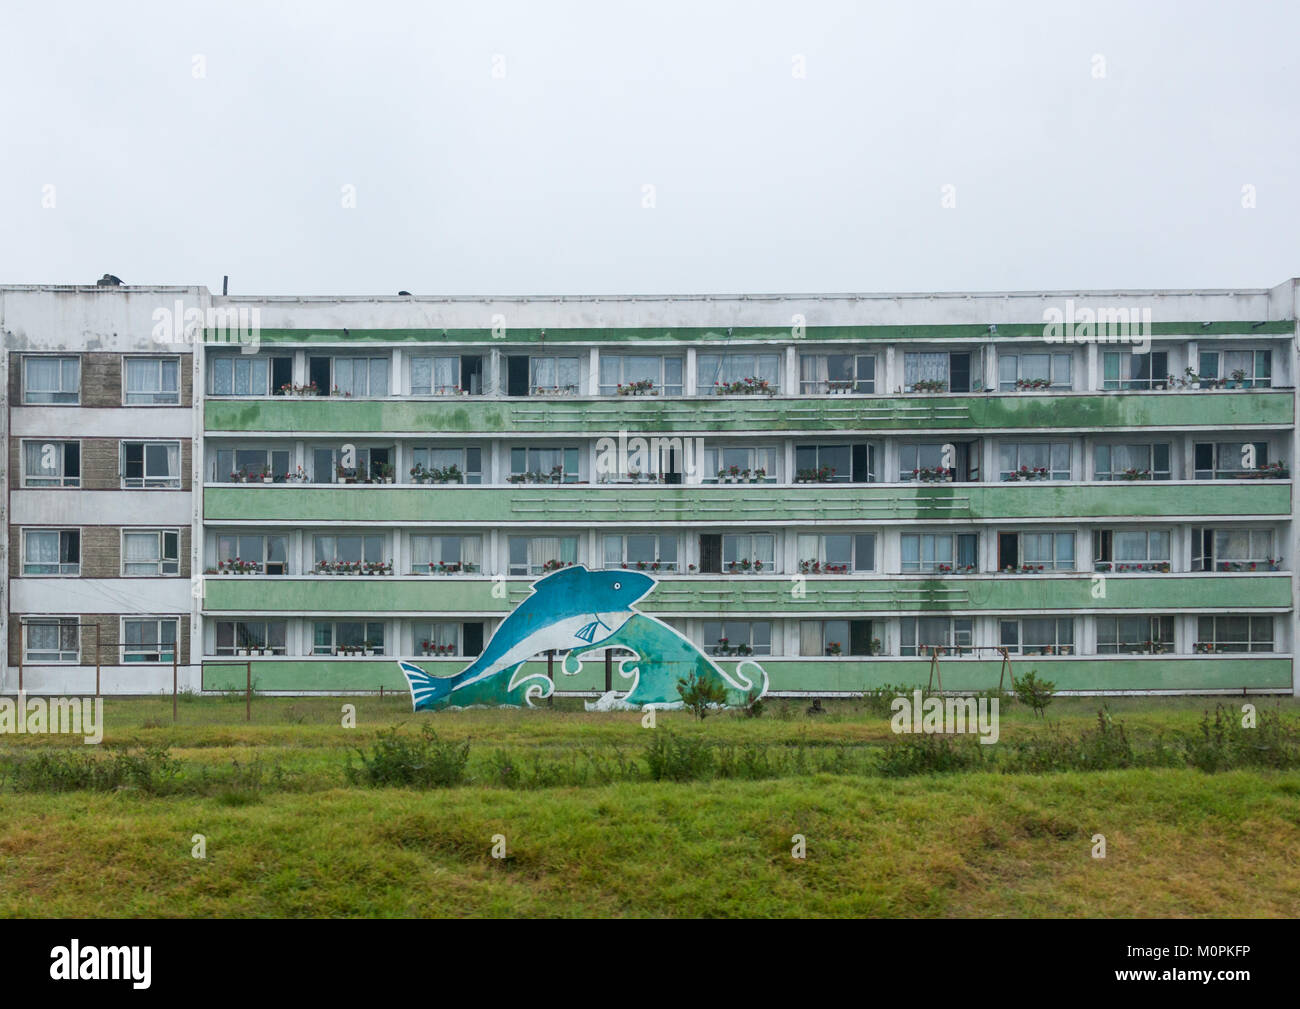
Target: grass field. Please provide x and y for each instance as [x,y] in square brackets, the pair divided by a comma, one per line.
[589,830]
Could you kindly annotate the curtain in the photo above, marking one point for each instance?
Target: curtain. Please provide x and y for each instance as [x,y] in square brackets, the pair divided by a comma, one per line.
[569,549]
[378,385]
[544,550]
[543,375]
[421,376]
[613,551]
[222,376]
[1130,546]
[471,550]
[141,376]
[42,548]
[42,374]
[567,370]
[922,367]
[141,553]
[421,552]
[808,547]
[810,637]
[445,375]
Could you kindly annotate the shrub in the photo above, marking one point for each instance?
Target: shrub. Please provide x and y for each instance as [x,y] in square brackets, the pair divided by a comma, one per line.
[1034,693]
[701,694]
[930,753]
[424,761]
[670,757]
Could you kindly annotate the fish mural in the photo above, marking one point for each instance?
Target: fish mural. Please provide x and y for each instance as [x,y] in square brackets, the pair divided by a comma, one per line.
[575,610]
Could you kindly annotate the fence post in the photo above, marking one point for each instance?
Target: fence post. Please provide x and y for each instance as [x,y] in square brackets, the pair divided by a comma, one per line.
[550,675]
[609,670]
[22,647]
[99,652]
[248,692]
[175,650]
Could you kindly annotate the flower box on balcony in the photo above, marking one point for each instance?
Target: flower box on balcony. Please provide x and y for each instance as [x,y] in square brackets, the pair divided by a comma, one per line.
[750,386]
[929,385]
[1028,473]
[932,474]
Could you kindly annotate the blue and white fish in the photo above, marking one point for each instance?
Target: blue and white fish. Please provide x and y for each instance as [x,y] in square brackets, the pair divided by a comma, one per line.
[572,608]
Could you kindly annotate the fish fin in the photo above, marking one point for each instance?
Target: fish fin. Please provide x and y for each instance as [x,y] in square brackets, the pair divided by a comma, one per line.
[426,690]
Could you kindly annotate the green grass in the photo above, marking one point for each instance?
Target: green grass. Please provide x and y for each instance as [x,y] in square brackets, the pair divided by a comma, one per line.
[589,832]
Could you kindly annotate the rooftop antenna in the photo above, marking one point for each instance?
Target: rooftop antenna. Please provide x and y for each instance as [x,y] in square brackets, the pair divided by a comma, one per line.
[225,285]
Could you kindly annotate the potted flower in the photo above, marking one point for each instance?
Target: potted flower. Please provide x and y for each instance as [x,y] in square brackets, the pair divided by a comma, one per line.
[832,648]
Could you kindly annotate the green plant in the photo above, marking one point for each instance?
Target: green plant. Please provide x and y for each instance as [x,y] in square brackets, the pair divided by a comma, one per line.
[679,758]
[424,761]
[701,694]
[1035,693]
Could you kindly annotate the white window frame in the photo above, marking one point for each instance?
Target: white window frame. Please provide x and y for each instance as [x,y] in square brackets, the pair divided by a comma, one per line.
[710,647]
[132,359]
[660,383]
[61,480]
[1163,646]
[161,563]
[1216,645]
[1055,648]
[147,482]
[58,531]
[958,639]
[61,620]
[159,644]
[60,391]
[670,567]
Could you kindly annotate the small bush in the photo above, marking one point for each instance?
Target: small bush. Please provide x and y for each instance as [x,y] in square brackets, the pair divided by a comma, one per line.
[670,757]
[424,761]
[1034,693]
[150,770]
[699,695]
[930,753]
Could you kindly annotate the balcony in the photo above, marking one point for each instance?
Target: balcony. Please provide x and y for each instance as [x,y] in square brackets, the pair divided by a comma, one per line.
[609,415]
[522,505]
[766,595]
[1160,672]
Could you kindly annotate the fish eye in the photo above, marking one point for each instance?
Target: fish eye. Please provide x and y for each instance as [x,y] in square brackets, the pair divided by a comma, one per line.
[617,586]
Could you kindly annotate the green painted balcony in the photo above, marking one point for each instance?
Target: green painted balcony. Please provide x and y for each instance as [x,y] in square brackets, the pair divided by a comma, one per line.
[1219,672]
[753,594]
[607,416]
[524,505]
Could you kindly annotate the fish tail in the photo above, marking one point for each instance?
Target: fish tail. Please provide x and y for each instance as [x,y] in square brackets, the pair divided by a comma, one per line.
[427,691]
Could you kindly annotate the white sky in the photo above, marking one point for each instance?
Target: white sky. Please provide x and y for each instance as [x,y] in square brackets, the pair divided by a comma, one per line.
[764,182]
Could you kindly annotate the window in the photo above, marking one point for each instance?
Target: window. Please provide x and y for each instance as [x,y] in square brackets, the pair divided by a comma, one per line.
[52,640]
[369,464]
[1235,460]
[336,637]
[246,375]
[1234,634]
[1036,551]
[349,377]
[1033,371]
[1129,550]
[1140,635]
[1233,550]
[553,374]
[739,464]
[642,552]
[150,552]
[536,555]
[238,465]
[837,373]
[437,637]
[235,636]
[446,555]
[836,553]
[51,464]
[836,464]
[152,381]
[1131,462]
[921,635]
[1034,461]
[1252,368]
[942,371]
[253,553]
[544,465]
[941,553]
[149,640]
[151,464]
[329,550]
[627,375]
[1037,636]
[51,552]
[446,465]
[1124,370]
[52,380]
[737,638]
[749,553]
[737,374]
[450,375]
[837,637]
[928,462]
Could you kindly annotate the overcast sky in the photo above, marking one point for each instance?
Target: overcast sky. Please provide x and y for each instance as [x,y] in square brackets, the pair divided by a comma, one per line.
[506,148]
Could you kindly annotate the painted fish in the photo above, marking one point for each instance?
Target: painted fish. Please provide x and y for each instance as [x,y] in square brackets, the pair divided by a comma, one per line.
[569,608]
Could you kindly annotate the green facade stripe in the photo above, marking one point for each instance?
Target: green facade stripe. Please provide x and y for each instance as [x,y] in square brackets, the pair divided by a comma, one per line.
[736,334]
[607,416]
[1011,594]
[1150,673]
[823,503]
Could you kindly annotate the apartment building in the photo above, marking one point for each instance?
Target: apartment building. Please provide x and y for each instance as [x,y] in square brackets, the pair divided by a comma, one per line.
[1095,485]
